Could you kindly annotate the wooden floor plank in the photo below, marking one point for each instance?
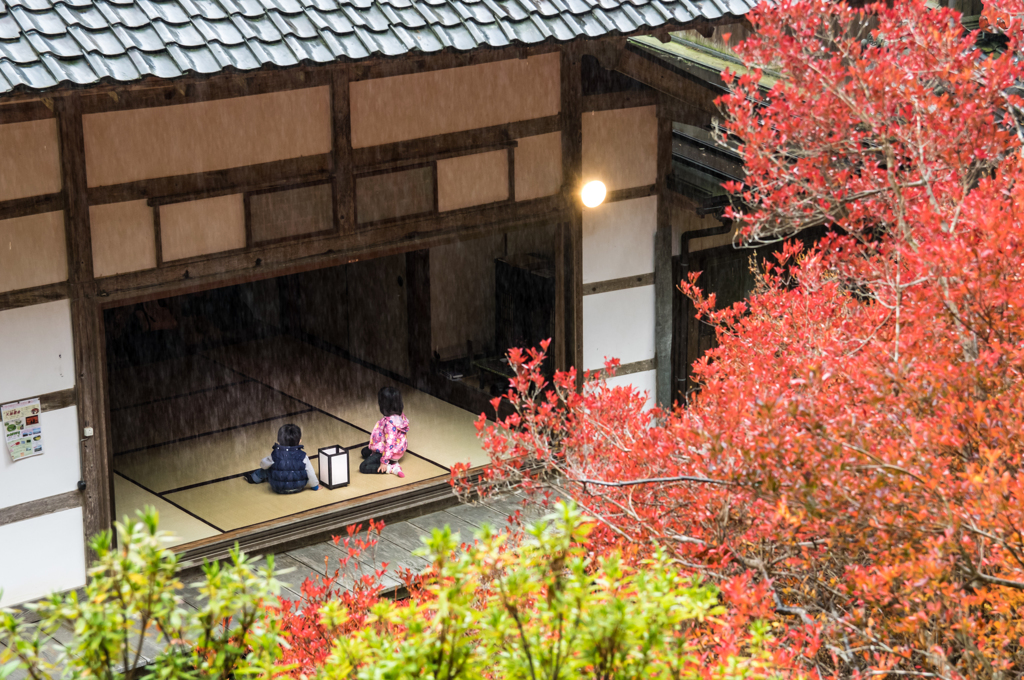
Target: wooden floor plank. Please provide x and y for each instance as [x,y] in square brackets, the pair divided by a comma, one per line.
[396,557]
[437,520]
[478,515]
[404,535]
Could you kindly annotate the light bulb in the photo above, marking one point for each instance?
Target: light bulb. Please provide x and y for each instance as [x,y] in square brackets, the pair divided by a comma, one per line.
[593,194]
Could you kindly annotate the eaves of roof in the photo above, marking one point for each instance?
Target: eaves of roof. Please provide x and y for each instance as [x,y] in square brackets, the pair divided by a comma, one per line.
[700,61]
[49,44]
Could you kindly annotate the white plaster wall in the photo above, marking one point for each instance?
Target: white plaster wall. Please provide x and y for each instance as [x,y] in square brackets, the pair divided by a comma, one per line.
[41,555]
[642,382]
[56,471]
[618,324]
[618,239]
[37,343]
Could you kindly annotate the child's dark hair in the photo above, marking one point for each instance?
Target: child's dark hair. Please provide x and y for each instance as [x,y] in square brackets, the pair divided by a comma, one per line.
[390,401]
[289,435]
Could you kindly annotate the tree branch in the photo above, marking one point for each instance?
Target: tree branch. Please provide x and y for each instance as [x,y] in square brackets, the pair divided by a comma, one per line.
[654,480]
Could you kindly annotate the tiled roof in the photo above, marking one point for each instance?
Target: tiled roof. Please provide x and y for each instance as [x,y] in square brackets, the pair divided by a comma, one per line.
[49,43]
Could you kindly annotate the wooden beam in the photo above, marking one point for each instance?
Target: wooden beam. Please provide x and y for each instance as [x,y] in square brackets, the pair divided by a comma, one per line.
[86,321]
[682,112]
[455,143]
[389,506]
[631,193]
[619,100]
[414,161]
[341,153]
[32,205]
[33,296]
[54,401]
[668,80]
[90,348]
[598,287]
[71,141]
[217,182]
[24,112]
[628,369]
[296,256]
[193,91]
[561,286]
[38,508]
[417,62]
[663,283]
[571,123]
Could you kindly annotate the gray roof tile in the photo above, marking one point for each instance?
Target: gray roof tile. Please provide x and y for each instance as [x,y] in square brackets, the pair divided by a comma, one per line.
[34,5]
[49,43]
[250,8]
[9,29]
[210,9]
[44,22]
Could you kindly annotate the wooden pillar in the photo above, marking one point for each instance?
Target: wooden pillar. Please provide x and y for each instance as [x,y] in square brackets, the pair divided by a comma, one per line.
[572,229]
[86,322]
[663,280]
[417,295]
[341,152]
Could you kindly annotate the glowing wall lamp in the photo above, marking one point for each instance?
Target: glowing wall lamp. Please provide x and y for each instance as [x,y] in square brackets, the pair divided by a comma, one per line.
[593,194]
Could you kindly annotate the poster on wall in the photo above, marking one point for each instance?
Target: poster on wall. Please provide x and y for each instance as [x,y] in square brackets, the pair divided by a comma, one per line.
[22,431]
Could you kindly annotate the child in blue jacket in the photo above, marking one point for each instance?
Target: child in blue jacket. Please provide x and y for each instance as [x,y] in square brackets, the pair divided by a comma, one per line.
[287,468]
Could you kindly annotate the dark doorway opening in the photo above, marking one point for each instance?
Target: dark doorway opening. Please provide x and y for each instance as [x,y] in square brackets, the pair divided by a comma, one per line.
[200,382]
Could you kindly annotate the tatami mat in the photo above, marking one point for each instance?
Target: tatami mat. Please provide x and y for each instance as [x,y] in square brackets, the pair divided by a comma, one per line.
[133,385]
[197,425]
[234,503]
[213,410]
[129,497]
[438,430]
[223,454]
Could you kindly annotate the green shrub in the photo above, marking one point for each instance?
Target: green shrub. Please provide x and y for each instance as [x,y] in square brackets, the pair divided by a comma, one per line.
[133,592]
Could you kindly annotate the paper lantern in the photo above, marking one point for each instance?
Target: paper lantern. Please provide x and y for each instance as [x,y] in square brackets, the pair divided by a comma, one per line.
[333,466]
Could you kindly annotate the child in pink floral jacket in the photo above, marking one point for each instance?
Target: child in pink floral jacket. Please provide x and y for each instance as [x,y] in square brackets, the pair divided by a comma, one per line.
[388,439]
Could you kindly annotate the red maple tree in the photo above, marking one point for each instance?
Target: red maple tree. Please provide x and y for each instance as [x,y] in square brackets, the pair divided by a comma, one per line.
[854,448]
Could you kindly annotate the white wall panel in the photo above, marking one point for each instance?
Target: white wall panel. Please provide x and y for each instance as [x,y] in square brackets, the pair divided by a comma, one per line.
[41,555]
[56,471]
[618,239]
[39,339]
[618,324]
[642,382]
